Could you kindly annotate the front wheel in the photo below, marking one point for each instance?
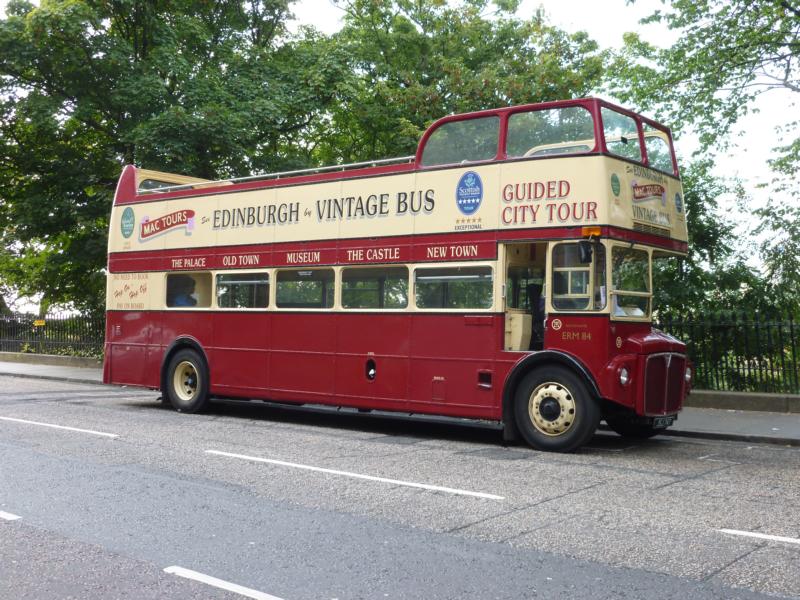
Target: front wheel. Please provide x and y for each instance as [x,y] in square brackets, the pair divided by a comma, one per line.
[554,410]
[187,382]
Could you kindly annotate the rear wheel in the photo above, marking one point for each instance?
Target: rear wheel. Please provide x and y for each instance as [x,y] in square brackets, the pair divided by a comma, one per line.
[554,410]
[628,428]
[187,382]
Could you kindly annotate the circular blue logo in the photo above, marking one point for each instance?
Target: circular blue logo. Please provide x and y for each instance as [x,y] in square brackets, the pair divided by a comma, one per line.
[127,222]
[678,203]
[469,193]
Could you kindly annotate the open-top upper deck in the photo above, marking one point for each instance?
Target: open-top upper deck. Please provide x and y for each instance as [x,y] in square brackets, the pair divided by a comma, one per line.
[517,171]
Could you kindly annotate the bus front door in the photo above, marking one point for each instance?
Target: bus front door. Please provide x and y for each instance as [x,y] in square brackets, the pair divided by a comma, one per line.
[524,296]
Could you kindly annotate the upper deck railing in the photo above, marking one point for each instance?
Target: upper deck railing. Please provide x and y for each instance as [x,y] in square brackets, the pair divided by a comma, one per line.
[279,174]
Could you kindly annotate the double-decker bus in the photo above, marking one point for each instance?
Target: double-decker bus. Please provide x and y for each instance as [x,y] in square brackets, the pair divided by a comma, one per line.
[503,272]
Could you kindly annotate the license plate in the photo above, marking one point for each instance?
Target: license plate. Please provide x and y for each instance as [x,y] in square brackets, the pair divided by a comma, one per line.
[662,422]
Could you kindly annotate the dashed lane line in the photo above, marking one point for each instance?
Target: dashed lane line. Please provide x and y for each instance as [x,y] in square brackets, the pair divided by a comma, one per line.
[6,516]
[51,425]
[219,583]
[424,486]
[761,536]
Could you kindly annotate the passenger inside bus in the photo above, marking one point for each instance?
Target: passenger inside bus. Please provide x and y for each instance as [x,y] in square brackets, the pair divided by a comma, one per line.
[181,291]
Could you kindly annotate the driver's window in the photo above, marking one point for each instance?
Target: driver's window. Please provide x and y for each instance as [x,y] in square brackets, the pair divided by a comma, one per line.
[578,273]
[571,277]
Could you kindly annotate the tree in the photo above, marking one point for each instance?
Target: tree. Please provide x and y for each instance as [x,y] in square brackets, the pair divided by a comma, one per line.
[418,61]
[208,89]
[729,52]
[780,252]
[715,275]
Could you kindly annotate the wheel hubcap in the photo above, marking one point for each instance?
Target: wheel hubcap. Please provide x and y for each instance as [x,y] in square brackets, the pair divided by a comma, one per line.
[552,409]
[184,381]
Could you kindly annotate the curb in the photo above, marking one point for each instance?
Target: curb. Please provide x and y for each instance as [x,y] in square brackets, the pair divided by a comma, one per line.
[52,378]
[780,403]
[53,360]
[733,437]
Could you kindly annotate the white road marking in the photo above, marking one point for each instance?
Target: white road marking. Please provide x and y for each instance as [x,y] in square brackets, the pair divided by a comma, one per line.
[708,458]
[8,516]
[219,583]
[761,536]
[424,486]
[89,431]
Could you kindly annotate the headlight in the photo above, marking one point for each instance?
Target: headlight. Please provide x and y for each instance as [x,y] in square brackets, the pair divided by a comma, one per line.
[688,375]
[624,376]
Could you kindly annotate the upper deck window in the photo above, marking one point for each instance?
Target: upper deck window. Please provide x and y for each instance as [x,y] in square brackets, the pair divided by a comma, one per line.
[462,141]
[549,132]
[659,154]
[622,135]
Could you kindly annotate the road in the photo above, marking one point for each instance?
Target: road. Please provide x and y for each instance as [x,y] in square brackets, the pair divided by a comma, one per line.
[106,493]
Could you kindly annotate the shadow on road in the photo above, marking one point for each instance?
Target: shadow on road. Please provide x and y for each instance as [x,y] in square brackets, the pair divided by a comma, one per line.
[397,428]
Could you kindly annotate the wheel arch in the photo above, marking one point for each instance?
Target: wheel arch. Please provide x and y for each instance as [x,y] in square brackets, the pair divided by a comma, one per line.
[528,364]
[181,343]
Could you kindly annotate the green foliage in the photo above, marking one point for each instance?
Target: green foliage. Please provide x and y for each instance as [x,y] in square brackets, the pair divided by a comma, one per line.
[418,61]
[208,89]
[220,89]
[780,251]
[715,276]
[728,53]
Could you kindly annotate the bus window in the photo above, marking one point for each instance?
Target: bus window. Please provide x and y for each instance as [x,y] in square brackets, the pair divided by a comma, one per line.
[243,290]
[375,288]
[659,155]
[622,136]
[304,288]
[454,287]
[630,275]
[462,141]
[189,290]
[579,277]
[550,132]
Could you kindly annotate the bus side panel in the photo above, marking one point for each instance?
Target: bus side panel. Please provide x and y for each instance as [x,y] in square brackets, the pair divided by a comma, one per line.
[239,360]
[382,339]
[303,356]
[129,335]
[452,362]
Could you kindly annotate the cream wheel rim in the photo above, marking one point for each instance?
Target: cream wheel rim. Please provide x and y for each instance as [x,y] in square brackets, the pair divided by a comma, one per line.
[184,381]
[551,408]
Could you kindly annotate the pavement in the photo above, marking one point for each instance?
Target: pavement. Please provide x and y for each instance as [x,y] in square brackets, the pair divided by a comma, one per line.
[707,423]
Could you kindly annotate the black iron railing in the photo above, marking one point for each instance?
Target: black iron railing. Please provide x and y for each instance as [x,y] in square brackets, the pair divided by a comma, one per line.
[71,335]
[735,352]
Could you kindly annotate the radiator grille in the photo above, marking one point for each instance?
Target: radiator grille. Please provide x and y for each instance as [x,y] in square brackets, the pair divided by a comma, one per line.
[651,229]
[664,383]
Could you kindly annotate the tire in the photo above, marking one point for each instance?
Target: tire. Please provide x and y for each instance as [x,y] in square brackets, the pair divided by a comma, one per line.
[554,410]
[186,382]
[627,428]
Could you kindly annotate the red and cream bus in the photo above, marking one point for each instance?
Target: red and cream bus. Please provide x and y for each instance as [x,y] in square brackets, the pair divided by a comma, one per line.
[501,273]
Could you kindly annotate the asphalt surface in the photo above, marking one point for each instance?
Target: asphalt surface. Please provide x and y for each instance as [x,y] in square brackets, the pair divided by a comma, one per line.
[297,503]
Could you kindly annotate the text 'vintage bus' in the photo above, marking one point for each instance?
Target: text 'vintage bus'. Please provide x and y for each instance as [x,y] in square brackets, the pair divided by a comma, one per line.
[504,272]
